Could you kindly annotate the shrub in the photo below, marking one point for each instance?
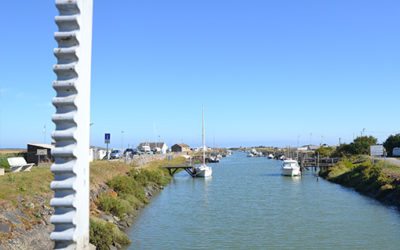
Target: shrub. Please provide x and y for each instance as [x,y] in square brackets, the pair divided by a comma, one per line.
[115,206]
[391,142]
[133,200]
[103,234]
[142,179]
[128,185]
[4,162]
[100,233]
[360,145]
[157,176]
[123,184]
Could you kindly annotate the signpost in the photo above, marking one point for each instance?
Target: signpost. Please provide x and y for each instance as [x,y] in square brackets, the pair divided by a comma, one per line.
[396,152]
[40,152]
[377,150]
[107,139]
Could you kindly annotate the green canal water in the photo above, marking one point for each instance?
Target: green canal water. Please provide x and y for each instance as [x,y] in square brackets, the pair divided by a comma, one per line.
[247,204]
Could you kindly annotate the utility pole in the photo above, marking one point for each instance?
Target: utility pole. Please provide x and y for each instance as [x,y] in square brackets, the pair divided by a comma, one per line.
[298,139]
[72,117]
[122,141]
[340,141]
[44,134]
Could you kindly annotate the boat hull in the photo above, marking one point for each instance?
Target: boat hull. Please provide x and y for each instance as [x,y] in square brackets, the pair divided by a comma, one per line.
[290,171]
[203,171]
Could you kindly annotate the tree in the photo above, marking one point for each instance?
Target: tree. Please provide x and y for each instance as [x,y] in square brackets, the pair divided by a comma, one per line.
[363,143]
[391,142]
[359,146]
[325,151]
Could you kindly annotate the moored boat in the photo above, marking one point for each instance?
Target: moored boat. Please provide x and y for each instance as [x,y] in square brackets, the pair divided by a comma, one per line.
[290,168]
[203,170]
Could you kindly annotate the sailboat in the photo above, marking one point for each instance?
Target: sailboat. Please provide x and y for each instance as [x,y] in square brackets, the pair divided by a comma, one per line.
[215,158]
[203,170]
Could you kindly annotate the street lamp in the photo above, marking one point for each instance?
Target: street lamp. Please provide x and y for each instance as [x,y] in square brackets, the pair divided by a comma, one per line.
[122,140]
[90,132]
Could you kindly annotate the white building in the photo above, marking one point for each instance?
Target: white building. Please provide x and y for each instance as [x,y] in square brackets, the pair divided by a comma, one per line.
[308,148]
[157,147]
[96,153]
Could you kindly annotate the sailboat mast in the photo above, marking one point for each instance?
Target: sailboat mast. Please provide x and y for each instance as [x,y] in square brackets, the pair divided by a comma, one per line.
[204,143]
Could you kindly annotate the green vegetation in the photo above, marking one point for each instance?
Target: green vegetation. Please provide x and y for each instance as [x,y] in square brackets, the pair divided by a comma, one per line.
[26,184]
[128,185]
[158,176]
[359,146]
[366,178]
[325,151]
[391,142]
[115,206]
[103,234]
[391,169]
[4,156]
[130,190]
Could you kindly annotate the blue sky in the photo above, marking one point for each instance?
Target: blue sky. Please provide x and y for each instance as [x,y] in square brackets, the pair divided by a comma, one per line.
[268,72]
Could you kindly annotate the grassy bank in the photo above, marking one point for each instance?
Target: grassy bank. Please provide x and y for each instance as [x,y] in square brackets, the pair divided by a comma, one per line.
[26,185]
[125,190]
[117,191]
[374,180]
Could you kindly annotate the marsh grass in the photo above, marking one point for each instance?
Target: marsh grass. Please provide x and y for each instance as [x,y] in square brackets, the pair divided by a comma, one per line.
[390,169]
[35,183]
[103,171]
[103,234]
[366,178]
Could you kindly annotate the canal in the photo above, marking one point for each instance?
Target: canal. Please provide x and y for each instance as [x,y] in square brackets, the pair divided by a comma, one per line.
[247,204]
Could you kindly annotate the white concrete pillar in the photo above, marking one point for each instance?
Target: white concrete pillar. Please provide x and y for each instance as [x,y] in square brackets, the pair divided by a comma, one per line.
[72,119]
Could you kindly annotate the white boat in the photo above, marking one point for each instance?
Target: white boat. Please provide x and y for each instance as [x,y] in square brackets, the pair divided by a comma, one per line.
[270,156]
[203,170]
[290,168]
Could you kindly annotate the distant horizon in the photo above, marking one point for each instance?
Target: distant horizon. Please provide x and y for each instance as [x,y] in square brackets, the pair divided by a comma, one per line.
[196,146]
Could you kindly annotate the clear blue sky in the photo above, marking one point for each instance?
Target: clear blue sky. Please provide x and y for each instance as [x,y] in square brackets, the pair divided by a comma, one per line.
[268,72]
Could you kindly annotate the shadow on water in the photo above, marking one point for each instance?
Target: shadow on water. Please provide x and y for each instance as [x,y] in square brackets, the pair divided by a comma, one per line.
[272,175]
[280,175]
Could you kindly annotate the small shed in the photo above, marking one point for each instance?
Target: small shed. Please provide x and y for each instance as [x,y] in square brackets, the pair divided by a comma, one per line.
[180,147]
[32,155]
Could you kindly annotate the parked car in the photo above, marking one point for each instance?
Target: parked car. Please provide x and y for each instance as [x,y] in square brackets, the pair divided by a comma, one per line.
[132,151]
[129,151]
[116,154]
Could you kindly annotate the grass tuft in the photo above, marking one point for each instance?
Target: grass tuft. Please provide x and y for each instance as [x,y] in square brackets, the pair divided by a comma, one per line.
[103,234]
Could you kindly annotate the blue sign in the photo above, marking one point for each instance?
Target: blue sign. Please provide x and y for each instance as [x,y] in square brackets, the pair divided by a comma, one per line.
[107,137]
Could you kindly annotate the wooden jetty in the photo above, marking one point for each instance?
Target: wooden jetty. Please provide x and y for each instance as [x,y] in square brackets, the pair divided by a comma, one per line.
[172,169]
[317,162]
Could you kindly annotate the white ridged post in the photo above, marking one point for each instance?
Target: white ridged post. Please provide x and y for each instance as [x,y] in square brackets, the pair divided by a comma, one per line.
[72,119]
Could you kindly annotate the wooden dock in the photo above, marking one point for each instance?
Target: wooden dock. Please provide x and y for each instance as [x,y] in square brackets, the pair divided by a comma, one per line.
[172,169]
[317,162]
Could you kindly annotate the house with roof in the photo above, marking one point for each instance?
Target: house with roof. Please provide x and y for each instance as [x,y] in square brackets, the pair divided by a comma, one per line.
[180,147]
[32,155]
[308,148]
